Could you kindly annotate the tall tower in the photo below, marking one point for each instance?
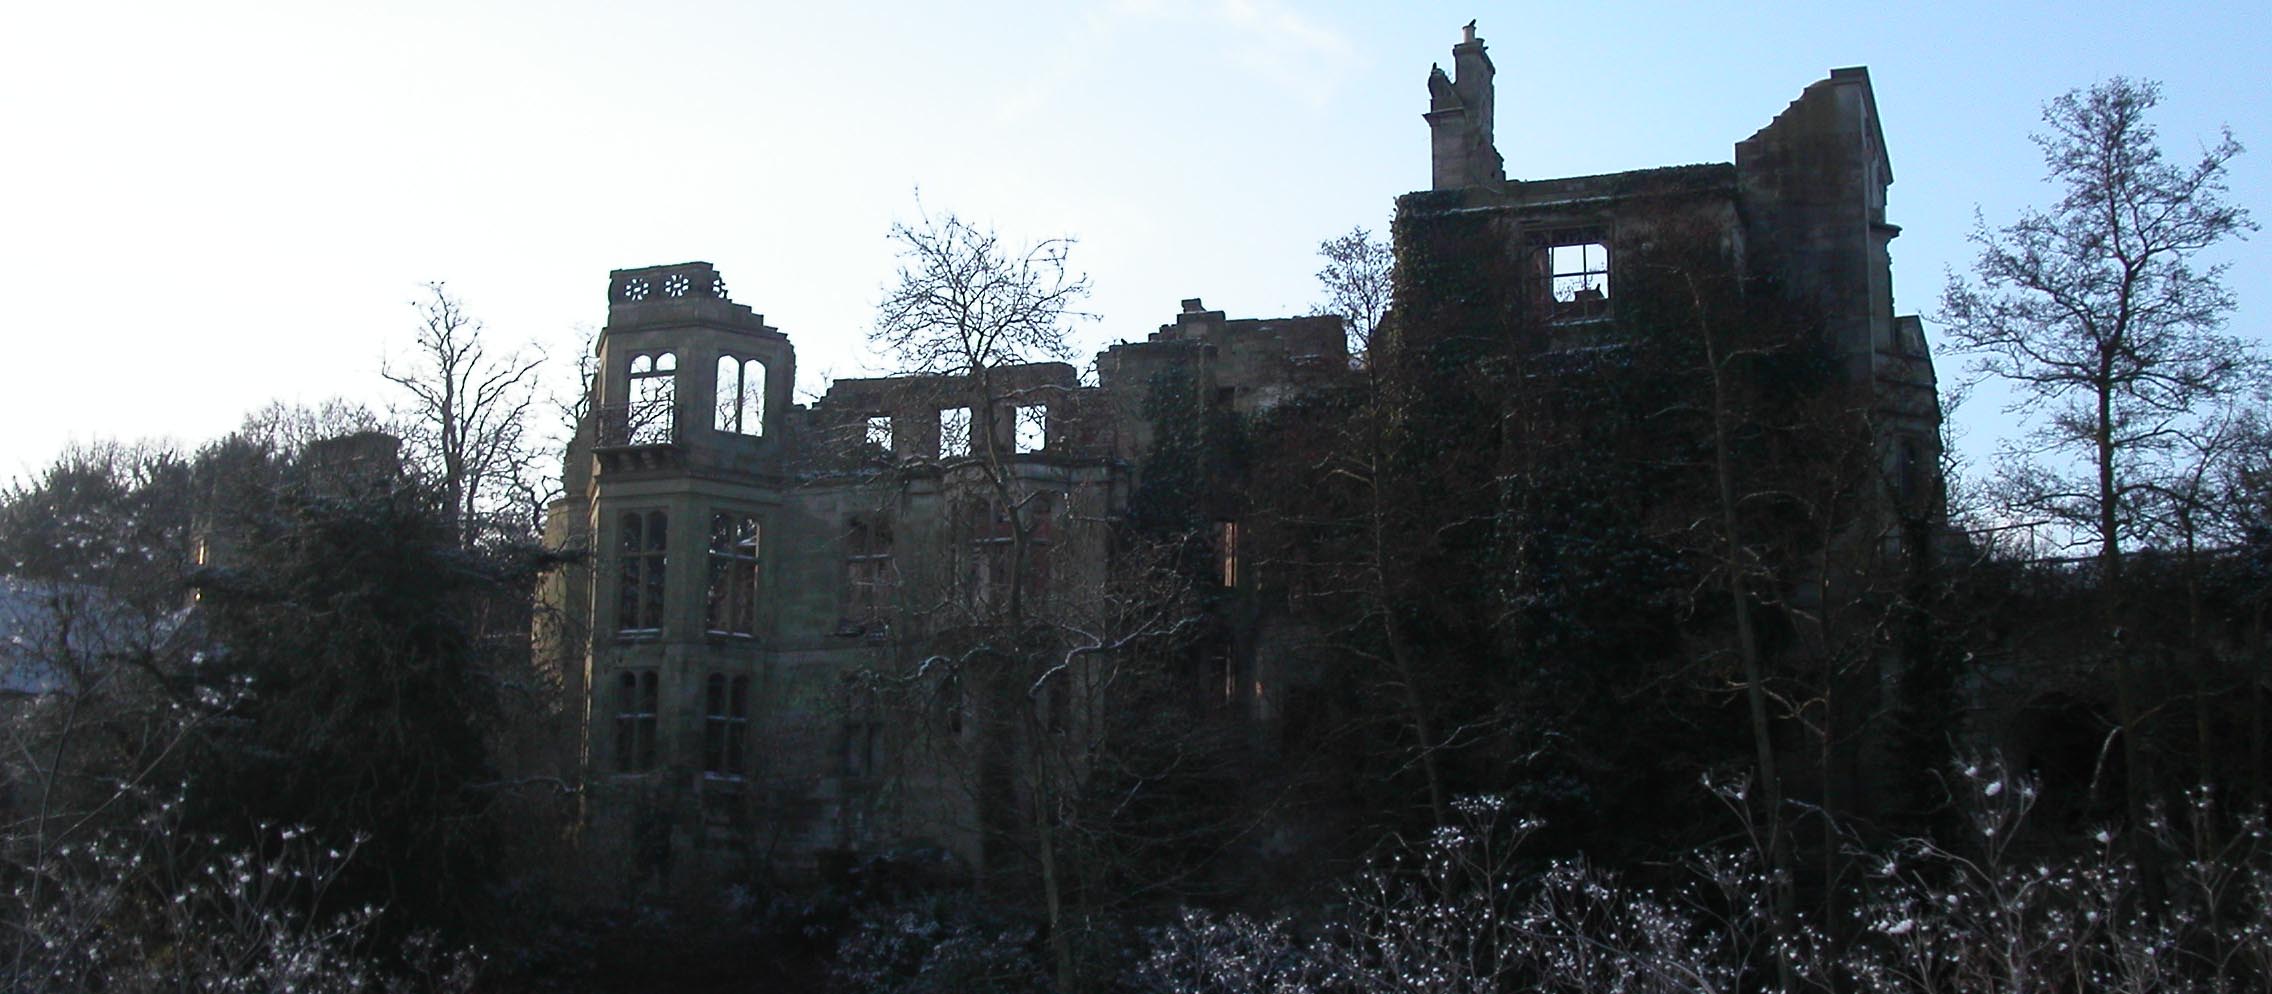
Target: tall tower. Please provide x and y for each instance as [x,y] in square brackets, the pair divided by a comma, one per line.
[674,486]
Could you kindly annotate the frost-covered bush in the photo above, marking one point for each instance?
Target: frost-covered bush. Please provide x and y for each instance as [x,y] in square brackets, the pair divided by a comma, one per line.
[1997,914]
[1990,911]
[138,907]
[1231,954]
[938,946]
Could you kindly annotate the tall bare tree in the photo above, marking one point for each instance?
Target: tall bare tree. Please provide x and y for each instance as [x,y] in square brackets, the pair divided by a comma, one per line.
[467,419]
[2100,314]
[965,305]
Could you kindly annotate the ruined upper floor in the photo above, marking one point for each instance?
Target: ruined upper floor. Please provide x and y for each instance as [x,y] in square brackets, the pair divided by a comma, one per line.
[1801,206]
[690,382]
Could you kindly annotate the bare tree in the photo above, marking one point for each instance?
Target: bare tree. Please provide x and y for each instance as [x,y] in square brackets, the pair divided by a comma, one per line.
[1356,281]
[965,302]
[1043,618]
[466,420]
[964,306]
[2097,312]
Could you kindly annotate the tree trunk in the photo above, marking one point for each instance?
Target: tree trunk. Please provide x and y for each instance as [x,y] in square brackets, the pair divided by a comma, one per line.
[1045,837]
[2262,672]
[1747,647]
[2136,785]
[2198,660]
[1399,646]
[1416,710]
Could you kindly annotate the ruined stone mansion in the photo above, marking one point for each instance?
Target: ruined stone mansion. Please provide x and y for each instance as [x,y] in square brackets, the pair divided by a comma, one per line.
[753,563]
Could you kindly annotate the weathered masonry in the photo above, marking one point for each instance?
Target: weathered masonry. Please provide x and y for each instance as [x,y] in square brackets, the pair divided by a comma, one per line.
[749,559]
[752,563]
[1660,275]
[1803,202]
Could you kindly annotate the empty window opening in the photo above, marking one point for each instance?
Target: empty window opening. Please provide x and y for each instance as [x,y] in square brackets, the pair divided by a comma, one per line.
[652,390]
[725,726]
[741,396]
[643,554]
[878,432]
[1577,276]
[637,694]
[987,572]
[954,433]
[733,574]
[869,578]
[1033,427]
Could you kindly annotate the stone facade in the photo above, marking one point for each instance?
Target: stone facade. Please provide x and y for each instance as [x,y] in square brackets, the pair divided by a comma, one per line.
[751,562]
[1801,208]
[1567,278]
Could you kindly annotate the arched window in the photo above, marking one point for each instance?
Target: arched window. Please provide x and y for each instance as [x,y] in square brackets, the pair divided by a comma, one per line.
[741,396]
[652,389]
[725,725]
[642,554]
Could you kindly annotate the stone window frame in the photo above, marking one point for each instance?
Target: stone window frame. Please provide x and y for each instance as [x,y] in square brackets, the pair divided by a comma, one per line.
[1029,428]
[650,398]
[876,432]
[1909,475]
[734,561]
[870,576]
[990,535]
[955,432]
[638,704]
[1566,261]
[739,407]
[725,727]
[642,549]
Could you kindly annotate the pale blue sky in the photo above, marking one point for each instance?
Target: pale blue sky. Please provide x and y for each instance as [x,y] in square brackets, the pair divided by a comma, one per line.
[207,206]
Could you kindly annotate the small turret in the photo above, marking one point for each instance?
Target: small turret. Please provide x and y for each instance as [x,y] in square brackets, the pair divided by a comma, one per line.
[685,368]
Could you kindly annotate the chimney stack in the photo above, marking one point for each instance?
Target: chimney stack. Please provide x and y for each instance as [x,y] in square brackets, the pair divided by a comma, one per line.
[1459,118]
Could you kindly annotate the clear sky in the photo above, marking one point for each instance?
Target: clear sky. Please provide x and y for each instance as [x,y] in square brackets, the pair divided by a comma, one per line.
[206,206]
